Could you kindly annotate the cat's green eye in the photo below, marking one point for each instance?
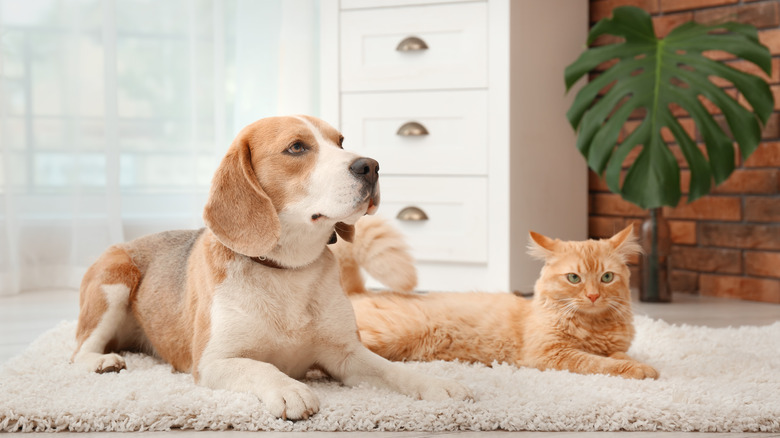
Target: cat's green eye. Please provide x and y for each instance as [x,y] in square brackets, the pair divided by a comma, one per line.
[607,277]
[573,278]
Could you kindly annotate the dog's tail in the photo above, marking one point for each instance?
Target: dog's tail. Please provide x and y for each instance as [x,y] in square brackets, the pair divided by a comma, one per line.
[380,249]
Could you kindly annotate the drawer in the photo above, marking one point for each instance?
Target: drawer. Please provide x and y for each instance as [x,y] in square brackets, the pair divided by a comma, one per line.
[456,57]
[456,228]
[455,122]
[362,4]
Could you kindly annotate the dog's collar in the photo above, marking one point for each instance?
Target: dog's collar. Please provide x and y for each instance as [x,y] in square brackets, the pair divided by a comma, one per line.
[272,264]
[268,262]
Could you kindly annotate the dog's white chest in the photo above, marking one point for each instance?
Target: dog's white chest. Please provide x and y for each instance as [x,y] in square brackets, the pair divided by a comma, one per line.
[271,318]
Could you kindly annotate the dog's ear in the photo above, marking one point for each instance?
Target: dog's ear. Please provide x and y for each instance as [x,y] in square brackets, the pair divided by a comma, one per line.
[238,211]
[345,231]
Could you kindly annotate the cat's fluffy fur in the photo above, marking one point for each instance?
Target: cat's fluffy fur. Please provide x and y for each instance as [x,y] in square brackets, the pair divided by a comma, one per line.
[381,251]
[584,326]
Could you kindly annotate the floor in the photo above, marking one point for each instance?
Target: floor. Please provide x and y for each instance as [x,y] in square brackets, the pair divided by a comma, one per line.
[26,316]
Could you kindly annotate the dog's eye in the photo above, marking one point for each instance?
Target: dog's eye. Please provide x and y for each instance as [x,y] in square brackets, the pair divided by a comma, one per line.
[341,141]
[296,148]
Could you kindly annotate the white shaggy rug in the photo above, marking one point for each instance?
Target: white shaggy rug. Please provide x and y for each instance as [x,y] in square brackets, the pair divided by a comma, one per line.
[711,380]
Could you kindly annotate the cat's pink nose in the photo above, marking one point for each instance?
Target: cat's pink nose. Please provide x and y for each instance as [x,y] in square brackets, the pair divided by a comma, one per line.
[593,297]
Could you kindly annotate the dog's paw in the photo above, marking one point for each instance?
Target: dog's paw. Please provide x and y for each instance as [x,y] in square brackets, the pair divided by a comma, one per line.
[102,363]
[440,389]
[292,401]
[110,363]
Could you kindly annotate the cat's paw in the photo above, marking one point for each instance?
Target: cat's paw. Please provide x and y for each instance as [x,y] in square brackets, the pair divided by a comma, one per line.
[638,370]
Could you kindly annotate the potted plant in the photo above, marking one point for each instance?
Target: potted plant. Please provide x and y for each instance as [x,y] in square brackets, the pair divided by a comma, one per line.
[651,75]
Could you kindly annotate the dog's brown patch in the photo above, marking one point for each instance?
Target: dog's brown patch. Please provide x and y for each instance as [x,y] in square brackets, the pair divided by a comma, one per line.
[115,266]
[214,256]
[283,176]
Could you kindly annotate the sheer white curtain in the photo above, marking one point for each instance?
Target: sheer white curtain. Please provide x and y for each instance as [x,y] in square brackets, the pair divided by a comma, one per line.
[114,114]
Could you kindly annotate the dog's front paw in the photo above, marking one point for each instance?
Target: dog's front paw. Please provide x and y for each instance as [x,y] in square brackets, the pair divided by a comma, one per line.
[292,401]
[101,363]
[440,389]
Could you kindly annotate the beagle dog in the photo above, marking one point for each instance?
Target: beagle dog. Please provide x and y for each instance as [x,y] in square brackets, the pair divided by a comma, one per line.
[252,301]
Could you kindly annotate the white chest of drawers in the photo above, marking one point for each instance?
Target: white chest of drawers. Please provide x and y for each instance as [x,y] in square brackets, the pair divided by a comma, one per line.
[463,105]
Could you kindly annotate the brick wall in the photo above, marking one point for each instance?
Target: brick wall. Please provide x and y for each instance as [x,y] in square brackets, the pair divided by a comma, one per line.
[727,243]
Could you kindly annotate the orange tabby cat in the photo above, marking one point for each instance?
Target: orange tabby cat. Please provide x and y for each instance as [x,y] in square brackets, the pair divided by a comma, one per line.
[579,320]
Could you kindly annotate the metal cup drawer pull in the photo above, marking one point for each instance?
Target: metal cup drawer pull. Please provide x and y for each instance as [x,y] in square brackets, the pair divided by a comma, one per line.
[411,44]
[412,214]
[412,129]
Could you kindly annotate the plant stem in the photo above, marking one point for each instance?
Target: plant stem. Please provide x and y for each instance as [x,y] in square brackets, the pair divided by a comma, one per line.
[652,277]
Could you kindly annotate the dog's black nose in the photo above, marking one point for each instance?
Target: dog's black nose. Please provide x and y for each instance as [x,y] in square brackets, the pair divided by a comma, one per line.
[365,168]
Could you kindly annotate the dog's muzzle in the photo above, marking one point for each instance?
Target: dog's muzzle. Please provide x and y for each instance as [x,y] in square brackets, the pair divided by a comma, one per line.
[367,171]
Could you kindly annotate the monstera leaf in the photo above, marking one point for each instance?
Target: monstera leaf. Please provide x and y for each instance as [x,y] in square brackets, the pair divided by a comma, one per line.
[653,73]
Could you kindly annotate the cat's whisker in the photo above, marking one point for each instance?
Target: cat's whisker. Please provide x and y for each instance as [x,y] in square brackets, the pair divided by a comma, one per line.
[622,303]
[624,308]
[568,308]
[565,301]
[617,301]
[620,310]
[572,315]
[560,317]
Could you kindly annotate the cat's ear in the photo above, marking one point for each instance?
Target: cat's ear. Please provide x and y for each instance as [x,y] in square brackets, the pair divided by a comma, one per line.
[625,242]
[541,247]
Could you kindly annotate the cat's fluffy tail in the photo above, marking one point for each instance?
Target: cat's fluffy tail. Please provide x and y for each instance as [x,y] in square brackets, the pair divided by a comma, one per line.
[380,249]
